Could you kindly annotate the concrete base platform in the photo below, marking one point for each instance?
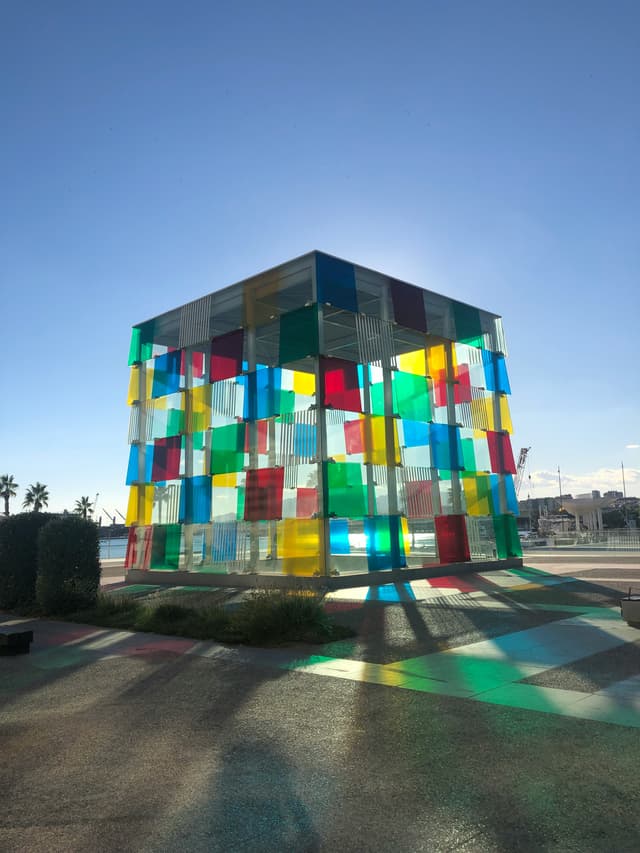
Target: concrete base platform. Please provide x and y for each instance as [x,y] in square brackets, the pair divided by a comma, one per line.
[266,581]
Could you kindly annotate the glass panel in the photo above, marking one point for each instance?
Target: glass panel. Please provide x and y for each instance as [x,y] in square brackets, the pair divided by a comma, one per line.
[226,355]
[451,535]
[408,305]
[263,499]
[299,334]
[336,282]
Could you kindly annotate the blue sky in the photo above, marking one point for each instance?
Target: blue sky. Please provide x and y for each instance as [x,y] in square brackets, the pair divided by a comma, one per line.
[153,152]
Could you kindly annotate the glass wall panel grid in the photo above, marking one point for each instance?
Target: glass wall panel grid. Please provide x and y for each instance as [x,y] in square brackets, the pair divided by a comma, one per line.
[318,419]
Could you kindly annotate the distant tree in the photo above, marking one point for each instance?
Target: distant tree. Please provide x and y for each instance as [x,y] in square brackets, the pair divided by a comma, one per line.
[36,497]
[8,489]
[83,507]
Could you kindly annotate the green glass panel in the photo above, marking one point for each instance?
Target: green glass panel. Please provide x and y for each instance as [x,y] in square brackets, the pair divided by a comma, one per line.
[172,551]
[299,334]
[410,397]
[500,531]
[165,548]
[227,449]
[468,455]
[468,326]
[240,508]
[507,538]
[198,440]
[377,398]
[346,495]
[134,347]
[175,422]
[287,402]
[477,341]
[515,546]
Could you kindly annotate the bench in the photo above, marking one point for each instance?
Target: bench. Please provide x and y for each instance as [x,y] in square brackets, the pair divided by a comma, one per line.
[15,642]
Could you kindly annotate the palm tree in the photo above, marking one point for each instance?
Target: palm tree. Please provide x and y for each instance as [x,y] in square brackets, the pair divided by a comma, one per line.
[8,489]
[36,497]
[83,507]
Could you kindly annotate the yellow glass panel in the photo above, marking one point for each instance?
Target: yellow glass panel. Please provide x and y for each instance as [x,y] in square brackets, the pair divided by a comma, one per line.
[134,385]
[406,538]
[225,480]
[339,457]
[437,360]
[299,545]
[200,401]
[140,505]
[375,440]
[148,376]
[505,414]
[304,383]
[413,362]
[476,505]
[491,421]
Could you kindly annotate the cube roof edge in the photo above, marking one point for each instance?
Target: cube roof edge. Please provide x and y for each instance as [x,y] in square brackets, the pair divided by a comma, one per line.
[290,266]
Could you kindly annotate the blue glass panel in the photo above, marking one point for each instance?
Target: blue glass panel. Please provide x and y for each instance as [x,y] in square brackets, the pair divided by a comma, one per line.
[512,500]
[225,538]
[501,374]
[339,536]
[446,447]
[132,470]
[166,374]
[495,494]
[304,440]
[195,500]
[336,282]
[262,393]
[384,543]
[489,370]
[416,434]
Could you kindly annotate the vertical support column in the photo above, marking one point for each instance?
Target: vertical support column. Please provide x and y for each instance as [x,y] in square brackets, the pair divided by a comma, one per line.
[389,432]
[371,496]
[324,563]
[497,423]
[254,531]
[208,533]
[273,525]
[142,450]
[188,451]
[456,497]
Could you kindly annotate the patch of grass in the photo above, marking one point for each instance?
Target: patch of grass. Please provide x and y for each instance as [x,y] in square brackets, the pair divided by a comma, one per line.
[265,618]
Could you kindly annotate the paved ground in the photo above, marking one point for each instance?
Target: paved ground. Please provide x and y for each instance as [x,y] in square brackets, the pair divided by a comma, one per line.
[497,712]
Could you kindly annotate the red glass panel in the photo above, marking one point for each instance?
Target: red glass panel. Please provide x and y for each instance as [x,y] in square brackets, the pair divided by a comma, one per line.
[226,355]
[451,536]
[166,459]
[306,503]
[501,453]
[462,388]
[341,389]
[263,495]
[353,437]
[419,501]
[263,437]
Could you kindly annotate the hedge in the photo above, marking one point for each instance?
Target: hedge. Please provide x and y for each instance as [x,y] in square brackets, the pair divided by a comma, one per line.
[68,565]
[19,558]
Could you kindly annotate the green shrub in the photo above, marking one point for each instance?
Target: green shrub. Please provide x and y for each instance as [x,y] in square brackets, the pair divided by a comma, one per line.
[19,558]
[278,616]
[68,565]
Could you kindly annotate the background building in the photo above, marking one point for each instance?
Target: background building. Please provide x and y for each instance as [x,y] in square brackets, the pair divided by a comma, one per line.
[319,418]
